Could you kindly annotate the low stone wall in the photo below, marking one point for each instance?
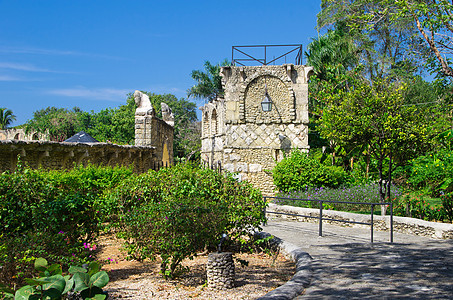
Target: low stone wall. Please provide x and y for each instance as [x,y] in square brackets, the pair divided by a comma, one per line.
[54,155]
[382,223]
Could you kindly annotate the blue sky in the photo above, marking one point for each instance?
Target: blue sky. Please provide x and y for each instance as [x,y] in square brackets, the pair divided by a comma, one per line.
[90,54]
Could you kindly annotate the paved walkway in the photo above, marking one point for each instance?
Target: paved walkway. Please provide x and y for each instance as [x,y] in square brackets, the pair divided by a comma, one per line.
[347,266]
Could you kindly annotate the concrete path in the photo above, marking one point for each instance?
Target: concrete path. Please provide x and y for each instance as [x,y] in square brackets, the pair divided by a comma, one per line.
[347,266]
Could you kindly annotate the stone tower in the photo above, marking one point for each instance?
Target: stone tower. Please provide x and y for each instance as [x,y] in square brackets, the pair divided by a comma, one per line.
[244,138]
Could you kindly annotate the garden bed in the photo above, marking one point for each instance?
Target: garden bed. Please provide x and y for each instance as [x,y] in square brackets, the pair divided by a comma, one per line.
[140,280]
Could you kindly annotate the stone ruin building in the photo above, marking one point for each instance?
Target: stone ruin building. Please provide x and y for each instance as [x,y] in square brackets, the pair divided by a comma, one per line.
[153,145]
[240,133]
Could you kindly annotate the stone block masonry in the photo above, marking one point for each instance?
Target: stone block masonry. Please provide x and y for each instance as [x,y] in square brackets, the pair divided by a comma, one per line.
[54,155]
[245,139]
[153,145]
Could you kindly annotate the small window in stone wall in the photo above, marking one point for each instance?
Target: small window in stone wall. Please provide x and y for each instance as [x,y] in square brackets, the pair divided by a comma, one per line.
[205,124]
[17,136]
[214,122]
[35,137]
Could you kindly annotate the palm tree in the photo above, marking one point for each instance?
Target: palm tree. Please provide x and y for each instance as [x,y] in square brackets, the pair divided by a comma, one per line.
[6,118]
[209,82]
[332,53]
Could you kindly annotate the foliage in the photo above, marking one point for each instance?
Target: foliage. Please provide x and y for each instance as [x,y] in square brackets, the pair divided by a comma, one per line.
[209,84]
[60,123]
[384,44]
[178,211]
[53,285]
[434,21]
[116,125]
[332,53]
[298,170]
[374,117]
[6,118]
[354,193]
[50,214]
[416,206]
[433,172]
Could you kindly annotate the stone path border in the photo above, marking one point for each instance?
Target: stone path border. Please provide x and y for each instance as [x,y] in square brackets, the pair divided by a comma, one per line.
[301,279]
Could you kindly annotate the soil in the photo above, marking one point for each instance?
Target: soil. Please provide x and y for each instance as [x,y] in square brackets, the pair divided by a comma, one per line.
[130,279]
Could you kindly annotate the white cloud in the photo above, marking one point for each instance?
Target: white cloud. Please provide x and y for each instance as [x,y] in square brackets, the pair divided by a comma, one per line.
[22,67]
[95,94]
[9,78]
[31,50]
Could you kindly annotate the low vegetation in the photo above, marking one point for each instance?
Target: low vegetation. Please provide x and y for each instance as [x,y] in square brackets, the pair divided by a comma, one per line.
[172,213]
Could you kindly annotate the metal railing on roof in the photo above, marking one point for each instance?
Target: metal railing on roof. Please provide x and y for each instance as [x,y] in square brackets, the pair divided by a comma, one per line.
[247,55]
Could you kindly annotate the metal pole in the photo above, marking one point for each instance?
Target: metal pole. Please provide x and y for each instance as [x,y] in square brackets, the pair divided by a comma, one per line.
[391,223]
[372,213]
[320,218]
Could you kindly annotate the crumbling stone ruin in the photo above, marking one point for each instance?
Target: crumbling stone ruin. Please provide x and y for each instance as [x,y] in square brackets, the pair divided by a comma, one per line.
[153,145]
[243,138]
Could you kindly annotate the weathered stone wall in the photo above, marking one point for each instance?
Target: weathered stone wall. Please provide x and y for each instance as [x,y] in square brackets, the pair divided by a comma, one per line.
[19,134]
[382,223]
[154,132]
[246,139]
[54,155]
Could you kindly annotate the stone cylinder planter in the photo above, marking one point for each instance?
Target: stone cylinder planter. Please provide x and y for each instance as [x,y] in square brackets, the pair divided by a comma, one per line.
[220,269]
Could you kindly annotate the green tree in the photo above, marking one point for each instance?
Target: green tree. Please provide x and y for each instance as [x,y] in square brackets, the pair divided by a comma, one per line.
[209,83]
[384,43]
[6,118]
[434,21]
[116,125]
[375,116]
[60,123]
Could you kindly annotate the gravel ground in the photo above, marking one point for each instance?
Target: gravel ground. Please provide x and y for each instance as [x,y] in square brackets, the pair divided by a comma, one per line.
[141,280]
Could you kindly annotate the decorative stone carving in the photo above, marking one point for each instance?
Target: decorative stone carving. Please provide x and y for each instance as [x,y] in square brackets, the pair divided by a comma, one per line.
[167,114]
[144,106]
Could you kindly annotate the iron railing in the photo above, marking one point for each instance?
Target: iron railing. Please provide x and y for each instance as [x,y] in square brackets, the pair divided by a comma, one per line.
[246,57]
[321,218]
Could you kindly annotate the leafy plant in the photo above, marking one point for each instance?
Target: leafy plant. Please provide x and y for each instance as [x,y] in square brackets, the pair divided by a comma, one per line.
[53,285]
[179,211]
[298,170]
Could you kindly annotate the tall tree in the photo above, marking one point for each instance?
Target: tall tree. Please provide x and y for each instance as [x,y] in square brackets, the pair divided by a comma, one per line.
[375,116]
[434,21]
[209,83]
[384,43]
[60,123]
[6,118]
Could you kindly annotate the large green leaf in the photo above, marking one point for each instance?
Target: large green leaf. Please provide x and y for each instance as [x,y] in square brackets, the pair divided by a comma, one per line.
[57,282]
[93,268]
[40,264]
[24,293]
[81,281]
[98,297]
[37,281]
[99,279]
[90,293]
[73,270]
[69,284]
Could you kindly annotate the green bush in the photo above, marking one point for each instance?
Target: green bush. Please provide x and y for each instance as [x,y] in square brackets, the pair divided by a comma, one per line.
[433,173]
[297,171]
[50,214]
[181,210]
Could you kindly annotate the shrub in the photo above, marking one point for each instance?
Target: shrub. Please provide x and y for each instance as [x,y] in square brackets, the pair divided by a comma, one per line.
[433,172]
[181,210]
[50,214]
[297,171]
